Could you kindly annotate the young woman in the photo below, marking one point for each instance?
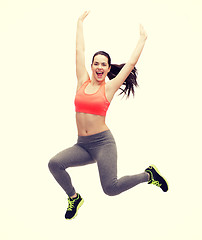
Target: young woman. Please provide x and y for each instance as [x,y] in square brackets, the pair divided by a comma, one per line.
[95,141]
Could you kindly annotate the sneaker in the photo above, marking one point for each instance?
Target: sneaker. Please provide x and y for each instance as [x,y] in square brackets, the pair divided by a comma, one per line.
[156,178]
[73,206]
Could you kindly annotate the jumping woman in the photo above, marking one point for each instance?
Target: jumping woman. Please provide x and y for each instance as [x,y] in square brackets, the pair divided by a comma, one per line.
[95,142]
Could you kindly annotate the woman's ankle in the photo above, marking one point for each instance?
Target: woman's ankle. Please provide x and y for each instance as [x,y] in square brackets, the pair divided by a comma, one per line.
[74,196]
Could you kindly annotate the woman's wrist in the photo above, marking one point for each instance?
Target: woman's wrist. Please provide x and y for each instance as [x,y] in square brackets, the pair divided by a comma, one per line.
[80,21]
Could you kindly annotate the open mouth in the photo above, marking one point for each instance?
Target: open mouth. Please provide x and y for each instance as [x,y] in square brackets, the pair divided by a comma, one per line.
[99,74]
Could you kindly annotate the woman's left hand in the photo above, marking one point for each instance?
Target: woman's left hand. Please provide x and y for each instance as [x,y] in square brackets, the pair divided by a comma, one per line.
[84,15]
[143,33]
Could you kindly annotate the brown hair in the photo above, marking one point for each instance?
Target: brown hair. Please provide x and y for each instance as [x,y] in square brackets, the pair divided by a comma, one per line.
[130,81]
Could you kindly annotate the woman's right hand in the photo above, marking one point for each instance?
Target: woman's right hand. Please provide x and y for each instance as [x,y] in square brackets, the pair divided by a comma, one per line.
[84,15]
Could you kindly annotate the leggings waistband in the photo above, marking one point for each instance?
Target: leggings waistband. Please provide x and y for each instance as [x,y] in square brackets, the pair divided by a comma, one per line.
[96,137]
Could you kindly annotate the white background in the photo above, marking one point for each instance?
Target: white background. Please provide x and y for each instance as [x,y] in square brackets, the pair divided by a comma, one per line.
[161,125]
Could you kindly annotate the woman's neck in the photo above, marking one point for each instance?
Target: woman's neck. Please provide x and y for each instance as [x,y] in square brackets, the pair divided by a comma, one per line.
[95,82]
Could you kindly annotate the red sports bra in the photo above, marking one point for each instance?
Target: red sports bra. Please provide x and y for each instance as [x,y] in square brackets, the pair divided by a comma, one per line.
[95,103]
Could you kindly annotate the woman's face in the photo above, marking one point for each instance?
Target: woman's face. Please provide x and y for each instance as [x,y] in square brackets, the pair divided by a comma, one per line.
[100,67]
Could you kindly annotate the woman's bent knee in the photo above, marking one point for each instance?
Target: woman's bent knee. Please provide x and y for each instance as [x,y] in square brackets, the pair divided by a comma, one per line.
[110,191]
[54,165]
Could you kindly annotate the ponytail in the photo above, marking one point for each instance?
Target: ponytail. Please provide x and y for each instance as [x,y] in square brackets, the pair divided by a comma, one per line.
[130,81]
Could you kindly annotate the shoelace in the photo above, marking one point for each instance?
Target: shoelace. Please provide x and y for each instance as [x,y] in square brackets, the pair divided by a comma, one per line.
[70,204]
[156,183]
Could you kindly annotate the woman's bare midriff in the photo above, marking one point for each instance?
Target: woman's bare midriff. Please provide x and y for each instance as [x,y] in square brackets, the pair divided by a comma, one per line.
[89,124]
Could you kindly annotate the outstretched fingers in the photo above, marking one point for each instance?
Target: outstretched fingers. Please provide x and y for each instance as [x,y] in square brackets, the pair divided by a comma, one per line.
[84,15]
[143,32]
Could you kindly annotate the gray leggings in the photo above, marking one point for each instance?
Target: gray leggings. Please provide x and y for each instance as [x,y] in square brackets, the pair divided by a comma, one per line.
[100,148]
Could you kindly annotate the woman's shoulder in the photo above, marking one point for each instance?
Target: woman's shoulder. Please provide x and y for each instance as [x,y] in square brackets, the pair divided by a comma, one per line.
[82,83]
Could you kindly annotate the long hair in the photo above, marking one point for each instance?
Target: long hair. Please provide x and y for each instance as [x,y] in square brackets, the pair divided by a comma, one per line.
[131,80]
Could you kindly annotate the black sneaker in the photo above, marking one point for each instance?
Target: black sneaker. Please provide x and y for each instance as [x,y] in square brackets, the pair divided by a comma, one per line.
[73,206]
[156,178]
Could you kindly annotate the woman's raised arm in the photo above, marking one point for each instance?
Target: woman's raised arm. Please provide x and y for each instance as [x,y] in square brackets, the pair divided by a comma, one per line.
[81,72]
[116,83]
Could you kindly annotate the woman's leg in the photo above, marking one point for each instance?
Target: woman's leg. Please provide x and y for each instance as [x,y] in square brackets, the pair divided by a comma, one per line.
[107,165]
[71,157]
